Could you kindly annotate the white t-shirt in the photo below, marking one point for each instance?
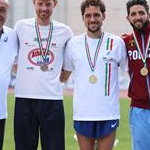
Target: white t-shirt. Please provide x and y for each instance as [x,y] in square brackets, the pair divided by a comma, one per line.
[31,81]
[8,51]
[98,101]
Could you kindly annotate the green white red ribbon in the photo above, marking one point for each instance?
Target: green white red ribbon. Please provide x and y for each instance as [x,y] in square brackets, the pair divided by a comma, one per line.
[92,64]
[44,53]
[109,47]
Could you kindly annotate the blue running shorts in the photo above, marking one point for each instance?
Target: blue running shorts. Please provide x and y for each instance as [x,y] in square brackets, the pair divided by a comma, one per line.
[95,129]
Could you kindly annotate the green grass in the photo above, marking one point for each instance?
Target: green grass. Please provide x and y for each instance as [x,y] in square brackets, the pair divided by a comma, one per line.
[123,133]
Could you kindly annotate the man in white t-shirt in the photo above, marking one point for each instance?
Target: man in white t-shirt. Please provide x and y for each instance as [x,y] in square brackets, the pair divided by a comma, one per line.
[39,107]
[8,51]
[94,58]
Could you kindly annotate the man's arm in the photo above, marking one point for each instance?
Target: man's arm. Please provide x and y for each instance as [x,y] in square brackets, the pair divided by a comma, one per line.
[64,76]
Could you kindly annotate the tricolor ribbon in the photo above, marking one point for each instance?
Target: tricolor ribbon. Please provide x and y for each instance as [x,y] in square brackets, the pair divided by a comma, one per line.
[92,64]
[143,57]
[49,38]
[109,47]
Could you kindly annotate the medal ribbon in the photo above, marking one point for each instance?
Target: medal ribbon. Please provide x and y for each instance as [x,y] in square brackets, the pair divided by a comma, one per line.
[92,64]
[139,49]
[49,38]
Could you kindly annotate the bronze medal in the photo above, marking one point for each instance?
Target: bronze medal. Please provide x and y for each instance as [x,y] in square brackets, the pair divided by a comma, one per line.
[44,67]
[144,71]
[92,79]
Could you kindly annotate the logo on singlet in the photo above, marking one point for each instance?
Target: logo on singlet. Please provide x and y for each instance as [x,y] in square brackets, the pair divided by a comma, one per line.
[135,55]
[113,125]
[35,57]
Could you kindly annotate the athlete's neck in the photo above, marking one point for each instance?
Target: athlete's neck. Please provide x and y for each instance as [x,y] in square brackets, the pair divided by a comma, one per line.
[43,22]
[94,35]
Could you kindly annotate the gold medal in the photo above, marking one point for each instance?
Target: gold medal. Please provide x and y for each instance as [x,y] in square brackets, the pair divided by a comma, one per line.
[92,79]
[92,63]
[144,71]
[44,67]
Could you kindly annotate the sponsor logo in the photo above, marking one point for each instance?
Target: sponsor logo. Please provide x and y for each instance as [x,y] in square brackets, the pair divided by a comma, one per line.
[36,59]
[131,44]
[30,68]
[45,40]
[113,125]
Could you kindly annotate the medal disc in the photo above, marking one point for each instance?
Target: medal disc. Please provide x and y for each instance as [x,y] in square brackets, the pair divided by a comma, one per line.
[92,79]
[44,67]
[144,71]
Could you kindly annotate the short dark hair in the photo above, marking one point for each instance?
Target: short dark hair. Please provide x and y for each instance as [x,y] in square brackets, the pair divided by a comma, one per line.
[96,3]
[35,0]
[131,3]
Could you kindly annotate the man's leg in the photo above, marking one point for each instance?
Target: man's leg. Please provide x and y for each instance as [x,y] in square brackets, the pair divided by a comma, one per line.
[2,128]
[25,124]
[107,142]
[85,143]
[104,143]
[140,128]
[52,125]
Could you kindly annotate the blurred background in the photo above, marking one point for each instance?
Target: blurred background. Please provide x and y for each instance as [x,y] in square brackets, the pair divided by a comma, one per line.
[68,12]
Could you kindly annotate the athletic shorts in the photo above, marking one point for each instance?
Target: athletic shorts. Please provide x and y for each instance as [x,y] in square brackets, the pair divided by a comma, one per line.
[140,128]
[95,129]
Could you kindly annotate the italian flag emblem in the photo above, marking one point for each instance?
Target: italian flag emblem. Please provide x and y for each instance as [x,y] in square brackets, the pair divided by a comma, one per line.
[109,47]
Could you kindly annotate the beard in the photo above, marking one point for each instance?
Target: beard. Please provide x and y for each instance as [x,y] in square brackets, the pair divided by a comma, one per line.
[93,30]
[43,15]
[2,19]
[142,28]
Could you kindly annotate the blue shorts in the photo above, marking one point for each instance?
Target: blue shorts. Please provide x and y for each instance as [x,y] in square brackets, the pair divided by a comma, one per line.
[95,129]
[38,117]
[140,128]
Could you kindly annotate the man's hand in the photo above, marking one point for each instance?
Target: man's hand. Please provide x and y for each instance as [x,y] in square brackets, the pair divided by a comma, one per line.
[64,76]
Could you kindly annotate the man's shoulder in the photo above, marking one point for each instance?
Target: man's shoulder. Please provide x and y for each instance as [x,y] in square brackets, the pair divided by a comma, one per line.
[8,30]
[80,38]
[127,37]
[129,41]
[112,37]
[30,21]
[59,25]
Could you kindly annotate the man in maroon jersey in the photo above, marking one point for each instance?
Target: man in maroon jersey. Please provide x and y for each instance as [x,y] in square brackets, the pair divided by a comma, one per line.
[138,50]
